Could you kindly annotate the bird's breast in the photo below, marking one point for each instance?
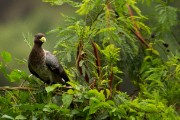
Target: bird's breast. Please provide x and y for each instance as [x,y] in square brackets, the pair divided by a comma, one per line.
[41,70]
[37,57]
[37,63]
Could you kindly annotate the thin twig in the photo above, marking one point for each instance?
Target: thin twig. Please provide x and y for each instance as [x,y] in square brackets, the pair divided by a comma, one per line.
[136,32]
[16,88]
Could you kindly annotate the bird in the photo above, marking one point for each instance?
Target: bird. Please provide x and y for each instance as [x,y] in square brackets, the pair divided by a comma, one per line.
[44,65]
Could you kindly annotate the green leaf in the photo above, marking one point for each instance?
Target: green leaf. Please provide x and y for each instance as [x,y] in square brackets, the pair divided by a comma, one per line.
[20,117]
[7,117]
[53,87]
[95,93]
[54,2]
[16,75]
[87,6]
[50,107]
[108,93]
[111,53]
[75,86]
[46,109]
[106,30]
[147,58]
[31,107]
[153,51]
[86,108]
[69,56]
[67,99]
[94,105]
[6,56]
[81,63]
[61,2]
[70,91]
[149,108]
[104,82]
[74,112]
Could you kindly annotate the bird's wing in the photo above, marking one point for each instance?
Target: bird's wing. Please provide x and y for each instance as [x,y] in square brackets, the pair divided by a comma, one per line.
[53,64]
[35,74]
[32,71]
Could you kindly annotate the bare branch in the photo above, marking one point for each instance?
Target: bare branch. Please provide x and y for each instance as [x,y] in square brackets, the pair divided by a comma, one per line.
[16,88]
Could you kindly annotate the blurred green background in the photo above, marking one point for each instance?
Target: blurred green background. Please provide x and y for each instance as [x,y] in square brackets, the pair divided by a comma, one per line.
[21,18]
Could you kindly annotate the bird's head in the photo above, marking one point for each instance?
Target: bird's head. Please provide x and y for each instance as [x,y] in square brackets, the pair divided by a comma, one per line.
[39,39]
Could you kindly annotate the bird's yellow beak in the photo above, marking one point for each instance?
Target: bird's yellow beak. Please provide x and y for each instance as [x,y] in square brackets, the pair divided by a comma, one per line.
[43,39]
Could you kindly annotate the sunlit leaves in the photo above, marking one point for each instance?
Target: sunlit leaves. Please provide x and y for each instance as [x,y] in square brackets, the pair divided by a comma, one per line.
[61,2]
[27,39]
[55,2]
[111,53]
[53,87]
[132,3]
[20,117]
[7,117]
[50,107]
[152,50]
[99,95]
[16,75]
[162,77]
[67,100]
[87,6]
[106,30]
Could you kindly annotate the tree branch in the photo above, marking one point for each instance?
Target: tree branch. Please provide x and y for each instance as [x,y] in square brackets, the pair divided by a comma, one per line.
[16,88]
[136,32]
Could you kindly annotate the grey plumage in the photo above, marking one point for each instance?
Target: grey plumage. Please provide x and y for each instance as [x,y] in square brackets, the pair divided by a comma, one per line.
[45,65]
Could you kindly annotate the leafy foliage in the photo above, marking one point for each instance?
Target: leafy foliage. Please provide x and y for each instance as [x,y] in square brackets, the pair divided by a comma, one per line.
[168,17]
[166,81]
[98,50]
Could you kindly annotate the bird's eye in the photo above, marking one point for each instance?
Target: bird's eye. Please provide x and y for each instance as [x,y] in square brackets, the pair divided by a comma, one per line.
[39,37]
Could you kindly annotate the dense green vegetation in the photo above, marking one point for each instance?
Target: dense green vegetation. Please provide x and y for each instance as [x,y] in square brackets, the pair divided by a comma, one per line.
[108,43]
